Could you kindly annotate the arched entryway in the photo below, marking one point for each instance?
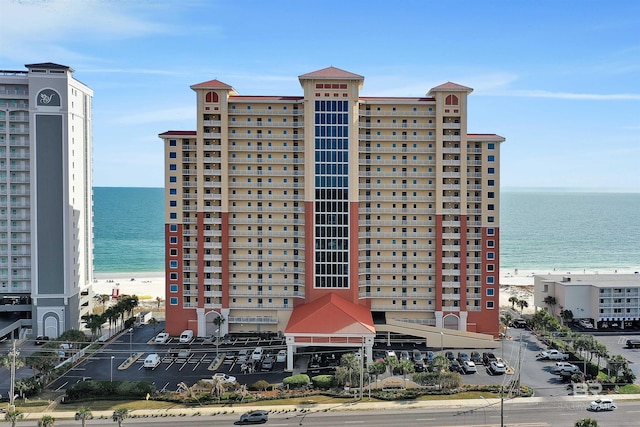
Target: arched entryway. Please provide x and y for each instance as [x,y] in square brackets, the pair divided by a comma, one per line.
[210,326]
[451,321]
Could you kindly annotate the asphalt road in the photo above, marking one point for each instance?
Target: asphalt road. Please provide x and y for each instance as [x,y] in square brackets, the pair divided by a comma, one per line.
[534,414]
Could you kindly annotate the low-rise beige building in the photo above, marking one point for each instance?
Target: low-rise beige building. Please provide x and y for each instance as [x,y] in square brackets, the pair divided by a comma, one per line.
[608,300]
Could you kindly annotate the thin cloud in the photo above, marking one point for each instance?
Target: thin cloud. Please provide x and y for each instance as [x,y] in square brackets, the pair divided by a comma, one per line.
[568,95]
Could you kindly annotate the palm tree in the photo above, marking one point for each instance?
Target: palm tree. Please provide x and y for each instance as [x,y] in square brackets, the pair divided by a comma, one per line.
[522,304]
[513,300]
[406,367]
[506,320]
[377,368]
[83,414]
[586,422]
[217,388]
[46,421]
[94,322]
[440,363]
[154,324]
[219,321]
[102,299]
[119,415]
[550,301]
[242,391]
[13,415]
[159,301]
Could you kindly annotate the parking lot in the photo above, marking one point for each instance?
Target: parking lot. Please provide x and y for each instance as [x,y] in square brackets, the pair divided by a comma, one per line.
[196,361]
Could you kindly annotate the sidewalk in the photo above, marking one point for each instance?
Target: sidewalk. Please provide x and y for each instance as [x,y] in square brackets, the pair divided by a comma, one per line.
[363,405]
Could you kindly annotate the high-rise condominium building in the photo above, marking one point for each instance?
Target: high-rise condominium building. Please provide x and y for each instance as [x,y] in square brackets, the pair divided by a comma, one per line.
[46,247]
[331,215]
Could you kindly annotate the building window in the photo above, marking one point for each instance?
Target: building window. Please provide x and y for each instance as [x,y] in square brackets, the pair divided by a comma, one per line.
[491,195]
[173,264]
[173,203]
[173,155]
[173,215]
[173,142]
[173,240]
[173,179]
[211,98]
[173,191]
[173,276]
[173,288]
[491,171]
[491,158]
[491,255]
[491,183]
[489,304]
[490,292]
[491,146]
[173,301]
[451,100]
[173,227]
[491,231]
[490,280]
[173,167]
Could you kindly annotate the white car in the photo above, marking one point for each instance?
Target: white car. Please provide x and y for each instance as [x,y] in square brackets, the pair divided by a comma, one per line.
[562,365]
[586,324]
[281,356]
[224,377]
[497,368]
[257,353]
[469,367]
[603,405]
[162,338]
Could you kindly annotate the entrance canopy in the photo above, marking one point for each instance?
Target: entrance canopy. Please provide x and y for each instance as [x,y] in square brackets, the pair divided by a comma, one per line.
[329,321]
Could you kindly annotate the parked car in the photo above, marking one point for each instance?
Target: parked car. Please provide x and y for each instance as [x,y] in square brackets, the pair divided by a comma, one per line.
[417,355]
[463,356]
[450,356]
[565,366]
[186,336]
[224,377]
[267,363]
[476,357]
[391,353]
[455,366]
[184,353]
[257,353]
[152,361]
[41,339]
[404,355]
[496,368]
[585,323]
[243,356]
[630,343]
[418,365]
[430,355]
[488,357]
[603,405]
[552,354]
[162,338]
[519,323]
[254,417]
[469,367]
[281,356]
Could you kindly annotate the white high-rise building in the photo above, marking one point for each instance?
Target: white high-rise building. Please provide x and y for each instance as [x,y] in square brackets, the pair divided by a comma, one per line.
[46,237]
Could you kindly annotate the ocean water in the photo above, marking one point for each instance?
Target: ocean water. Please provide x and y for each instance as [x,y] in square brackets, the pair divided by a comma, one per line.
[540,230]
[128,229]
[569,231]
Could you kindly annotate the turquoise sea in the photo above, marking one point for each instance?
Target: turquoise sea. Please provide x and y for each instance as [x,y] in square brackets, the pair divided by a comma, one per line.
[540,230]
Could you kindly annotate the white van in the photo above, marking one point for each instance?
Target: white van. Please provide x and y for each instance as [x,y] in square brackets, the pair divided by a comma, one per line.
[152,361]
[186,336]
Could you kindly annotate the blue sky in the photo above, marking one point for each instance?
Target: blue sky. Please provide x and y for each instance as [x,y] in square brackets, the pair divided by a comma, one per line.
[559,79]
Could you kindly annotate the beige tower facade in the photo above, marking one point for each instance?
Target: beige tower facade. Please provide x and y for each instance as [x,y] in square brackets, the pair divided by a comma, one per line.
[275,204]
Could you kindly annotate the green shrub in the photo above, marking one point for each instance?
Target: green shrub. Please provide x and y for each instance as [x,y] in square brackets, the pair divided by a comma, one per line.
[323,381]
[260,385]
[101,389]
[297,381]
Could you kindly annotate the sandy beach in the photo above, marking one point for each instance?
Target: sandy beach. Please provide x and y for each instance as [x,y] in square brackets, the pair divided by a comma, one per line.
[150,285]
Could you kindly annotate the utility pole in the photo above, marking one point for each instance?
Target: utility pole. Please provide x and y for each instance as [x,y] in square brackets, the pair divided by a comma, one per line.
[361,368]
[501,406]
[13,374]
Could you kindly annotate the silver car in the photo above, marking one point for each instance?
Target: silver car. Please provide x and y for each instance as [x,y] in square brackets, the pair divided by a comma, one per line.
[254,417]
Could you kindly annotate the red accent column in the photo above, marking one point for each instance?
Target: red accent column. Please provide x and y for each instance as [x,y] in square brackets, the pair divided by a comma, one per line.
[463,264]
[225,260]
[438,253]
[201,262]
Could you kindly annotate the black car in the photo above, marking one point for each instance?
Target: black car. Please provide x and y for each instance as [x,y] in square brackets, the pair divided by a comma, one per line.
[487,358]
[418,365]
[455,366]
[476,357]
[449,355]
[254,417]
[520,323]
[41,339]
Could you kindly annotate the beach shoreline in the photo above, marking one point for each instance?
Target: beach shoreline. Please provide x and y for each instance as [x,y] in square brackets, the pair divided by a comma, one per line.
[513,282]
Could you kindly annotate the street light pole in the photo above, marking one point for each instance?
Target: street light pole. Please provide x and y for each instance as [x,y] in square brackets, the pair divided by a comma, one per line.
[442,342]
[14,353]
[217,341]
[112,357]
[131,342]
